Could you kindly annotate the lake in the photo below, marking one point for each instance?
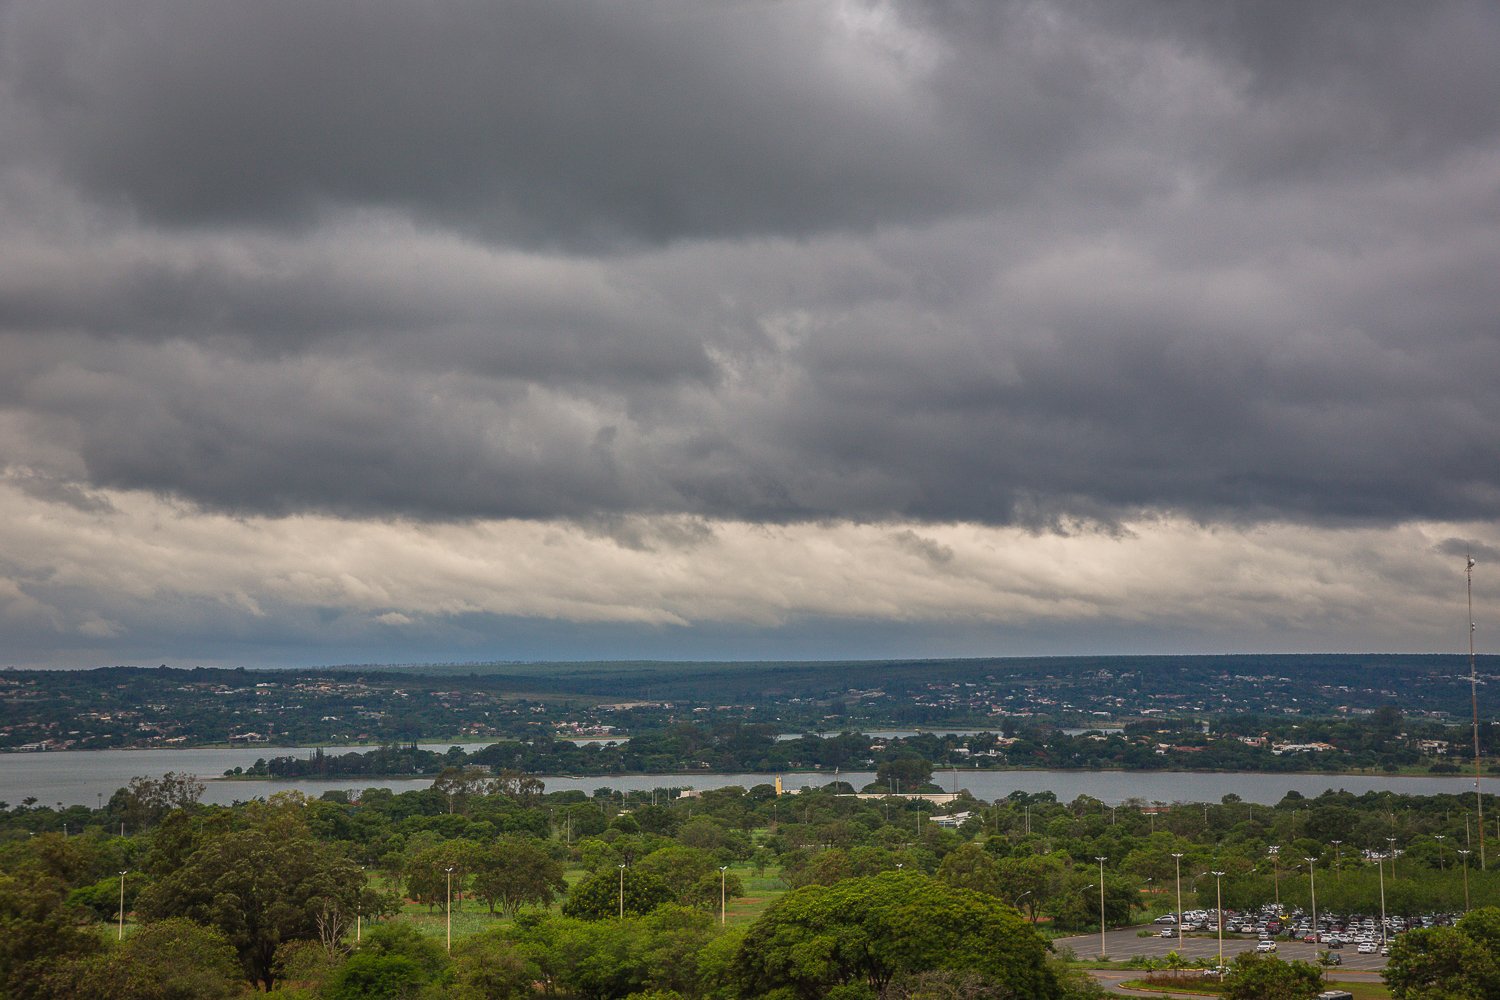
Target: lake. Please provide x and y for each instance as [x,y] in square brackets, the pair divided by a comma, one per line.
[89,777]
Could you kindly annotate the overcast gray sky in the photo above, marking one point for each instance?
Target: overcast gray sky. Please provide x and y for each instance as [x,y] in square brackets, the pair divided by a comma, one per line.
[613,328]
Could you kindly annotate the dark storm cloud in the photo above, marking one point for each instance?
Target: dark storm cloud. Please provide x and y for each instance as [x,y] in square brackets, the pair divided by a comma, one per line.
[546,122]
[1339,89]
[774,261]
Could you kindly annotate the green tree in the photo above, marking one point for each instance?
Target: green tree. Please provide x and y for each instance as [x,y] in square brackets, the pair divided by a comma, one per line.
[598,896]
[906,773]
[869,930]
[516,872]
[593,959]
[36,933]
[678,866]
[173,959]
[490,967]
[146,801]
[672,948]
[1032,882]
[1266,977]
[971,867]
[427,877]
[262,886]
[1452,963]
[377,977]
[712,888]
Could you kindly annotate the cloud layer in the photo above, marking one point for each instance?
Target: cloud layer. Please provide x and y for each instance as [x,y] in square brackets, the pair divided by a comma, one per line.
[129,577]
[966,274]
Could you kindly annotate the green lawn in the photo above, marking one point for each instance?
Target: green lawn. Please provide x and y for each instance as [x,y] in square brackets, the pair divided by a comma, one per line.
[471,916]
[1362,990]
[760,892]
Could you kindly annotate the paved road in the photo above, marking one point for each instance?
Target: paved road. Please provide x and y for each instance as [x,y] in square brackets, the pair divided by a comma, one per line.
[1127,943]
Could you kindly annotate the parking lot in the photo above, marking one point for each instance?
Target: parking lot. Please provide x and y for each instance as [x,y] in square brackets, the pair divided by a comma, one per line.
[1127,943]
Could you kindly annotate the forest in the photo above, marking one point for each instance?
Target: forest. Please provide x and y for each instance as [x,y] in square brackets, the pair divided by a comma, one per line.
[486,885]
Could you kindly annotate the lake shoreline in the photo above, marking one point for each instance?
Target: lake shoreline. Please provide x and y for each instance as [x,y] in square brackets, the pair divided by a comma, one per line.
[834,775]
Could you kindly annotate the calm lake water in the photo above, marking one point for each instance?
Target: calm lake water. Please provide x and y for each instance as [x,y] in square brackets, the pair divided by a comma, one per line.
[88,777]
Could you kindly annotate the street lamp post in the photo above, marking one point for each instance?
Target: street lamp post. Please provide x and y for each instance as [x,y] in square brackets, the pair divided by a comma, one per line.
[120,935]
[622,891]
[1465,855]
[1442,861]
[1276,878]
[1312,891]
[1219,914]
[449,906]
[723,899]
[1336,845]
[1103,951]
[1392,842]
[1017,903]
[1380,865]
[1177,862]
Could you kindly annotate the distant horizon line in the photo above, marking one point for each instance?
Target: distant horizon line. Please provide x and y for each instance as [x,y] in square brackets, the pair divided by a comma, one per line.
[832,662]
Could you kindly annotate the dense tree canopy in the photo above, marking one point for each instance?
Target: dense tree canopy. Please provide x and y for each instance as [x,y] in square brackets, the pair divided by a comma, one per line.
[1266,977]
[173,959]
[1461,962]
[872,893]
[869,930]
[261,886]
[610,893]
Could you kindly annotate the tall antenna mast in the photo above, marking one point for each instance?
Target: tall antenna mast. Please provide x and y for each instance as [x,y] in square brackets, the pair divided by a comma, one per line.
[1474,699]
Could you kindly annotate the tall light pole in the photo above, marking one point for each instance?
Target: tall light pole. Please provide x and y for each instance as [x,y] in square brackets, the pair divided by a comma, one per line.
[1103,951]
[1442,861]
[1336,844]
[1312,891]
[1474,700]
[1219,900]
[723,898]
[359,912]
[1392,842]
[1017,903]
[1465,855]
[1380,864]
[622,891]
[120,935]
[1177,861]
[449,907]
[1276,878]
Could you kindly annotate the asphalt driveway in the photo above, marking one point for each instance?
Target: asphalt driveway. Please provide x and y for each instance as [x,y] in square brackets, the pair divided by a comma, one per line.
[1127,943]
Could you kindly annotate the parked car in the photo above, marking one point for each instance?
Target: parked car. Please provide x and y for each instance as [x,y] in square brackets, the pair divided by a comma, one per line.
[1168,932]
[1366,948]
[1264,946]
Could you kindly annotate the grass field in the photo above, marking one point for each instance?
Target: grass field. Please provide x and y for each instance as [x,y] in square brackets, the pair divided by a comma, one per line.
[471,916]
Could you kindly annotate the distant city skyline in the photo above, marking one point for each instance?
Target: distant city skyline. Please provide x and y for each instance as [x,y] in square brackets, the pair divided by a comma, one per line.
[755,330]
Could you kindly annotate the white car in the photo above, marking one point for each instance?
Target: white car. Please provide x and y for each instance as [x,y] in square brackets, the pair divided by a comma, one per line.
[1366,948]
[1264,946]
[1167,932]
